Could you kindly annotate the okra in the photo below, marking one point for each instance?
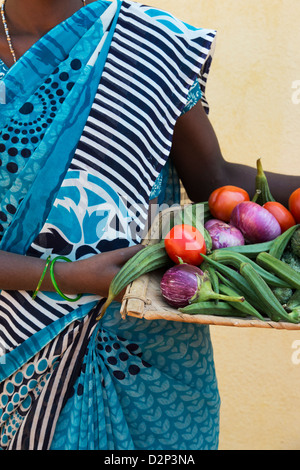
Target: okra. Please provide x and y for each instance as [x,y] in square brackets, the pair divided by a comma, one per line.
[272,307]
[223,309]
[206,211]
[205,266]
[194,214]
[280,269]
[244,307]
[280,243]
[251,251]
[236,259]
[237,280]
[295,314]
[294,301]
[193,210]
[208,240]
[146,260]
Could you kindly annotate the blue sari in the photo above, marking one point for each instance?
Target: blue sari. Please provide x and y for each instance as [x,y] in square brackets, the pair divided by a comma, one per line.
[80,157]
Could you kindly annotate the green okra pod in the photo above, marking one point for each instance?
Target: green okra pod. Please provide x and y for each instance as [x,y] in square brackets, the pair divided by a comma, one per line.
[236,259]
[280,243]
[280,269]
[273,308]
[205,266]
[237,280]
[251,250]
[244,307]
[223,309]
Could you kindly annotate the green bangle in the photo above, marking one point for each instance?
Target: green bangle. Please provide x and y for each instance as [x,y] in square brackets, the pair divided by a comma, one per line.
[55,283]
[42,278]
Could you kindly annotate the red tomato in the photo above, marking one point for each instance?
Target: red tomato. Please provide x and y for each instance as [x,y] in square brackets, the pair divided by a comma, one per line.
[281,214]
[223,200]
[294,205]
[185,242]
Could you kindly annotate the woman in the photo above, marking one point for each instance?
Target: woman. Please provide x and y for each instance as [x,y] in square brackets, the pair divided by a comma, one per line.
[97,97]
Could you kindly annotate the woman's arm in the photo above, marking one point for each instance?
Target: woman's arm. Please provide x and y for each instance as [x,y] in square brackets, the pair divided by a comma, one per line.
[201,167]
[92,275]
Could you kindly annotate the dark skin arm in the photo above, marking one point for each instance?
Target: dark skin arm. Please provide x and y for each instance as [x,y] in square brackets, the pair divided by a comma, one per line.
[92,275]
[201,167]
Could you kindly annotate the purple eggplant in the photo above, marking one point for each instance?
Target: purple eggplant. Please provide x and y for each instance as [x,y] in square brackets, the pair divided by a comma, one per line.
[184,284]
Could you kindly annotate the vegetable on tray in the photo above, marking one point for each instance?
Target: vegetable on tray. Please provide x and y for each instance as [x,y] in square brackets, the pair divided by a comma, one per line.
[184,284]
[240,258]
[294,205]
[185,243]
[243,309]
[294,301]
[281,269]
[281,214]
[223,235]
[271,304]
[223,200]
[295,242]
[256,223]
[283,294]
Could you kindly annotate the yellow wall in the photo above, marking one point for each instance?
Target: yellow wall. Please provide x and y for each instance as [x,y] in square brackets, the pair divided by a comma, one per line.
[250,91]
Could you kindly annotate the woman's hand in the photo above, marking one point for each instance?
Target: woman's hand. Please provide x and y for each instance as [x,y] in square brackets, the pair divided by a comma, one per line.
[94,275]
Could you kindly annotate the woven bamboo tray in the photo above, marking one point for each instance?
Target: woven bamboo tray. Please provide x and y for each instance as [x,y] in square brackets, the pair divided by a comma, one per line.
[143,297]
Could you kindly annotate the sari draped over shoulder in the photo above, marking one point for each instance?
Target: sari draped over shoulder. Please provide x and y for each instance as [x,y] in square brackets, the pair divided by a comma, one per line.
[87,117]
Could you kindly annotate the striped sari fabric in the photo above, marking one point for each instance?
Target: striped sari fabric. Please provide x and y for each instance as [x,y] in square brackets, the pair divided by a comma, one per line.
[81,148]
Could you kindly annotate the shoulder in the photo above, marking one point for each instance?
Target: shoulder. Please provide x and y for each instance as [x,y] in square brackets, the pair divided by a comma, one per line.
[168,22]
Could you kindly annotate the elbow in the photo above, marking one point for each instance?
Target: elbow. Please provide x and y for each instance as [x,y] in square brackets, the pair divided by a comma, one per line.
[199,187]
